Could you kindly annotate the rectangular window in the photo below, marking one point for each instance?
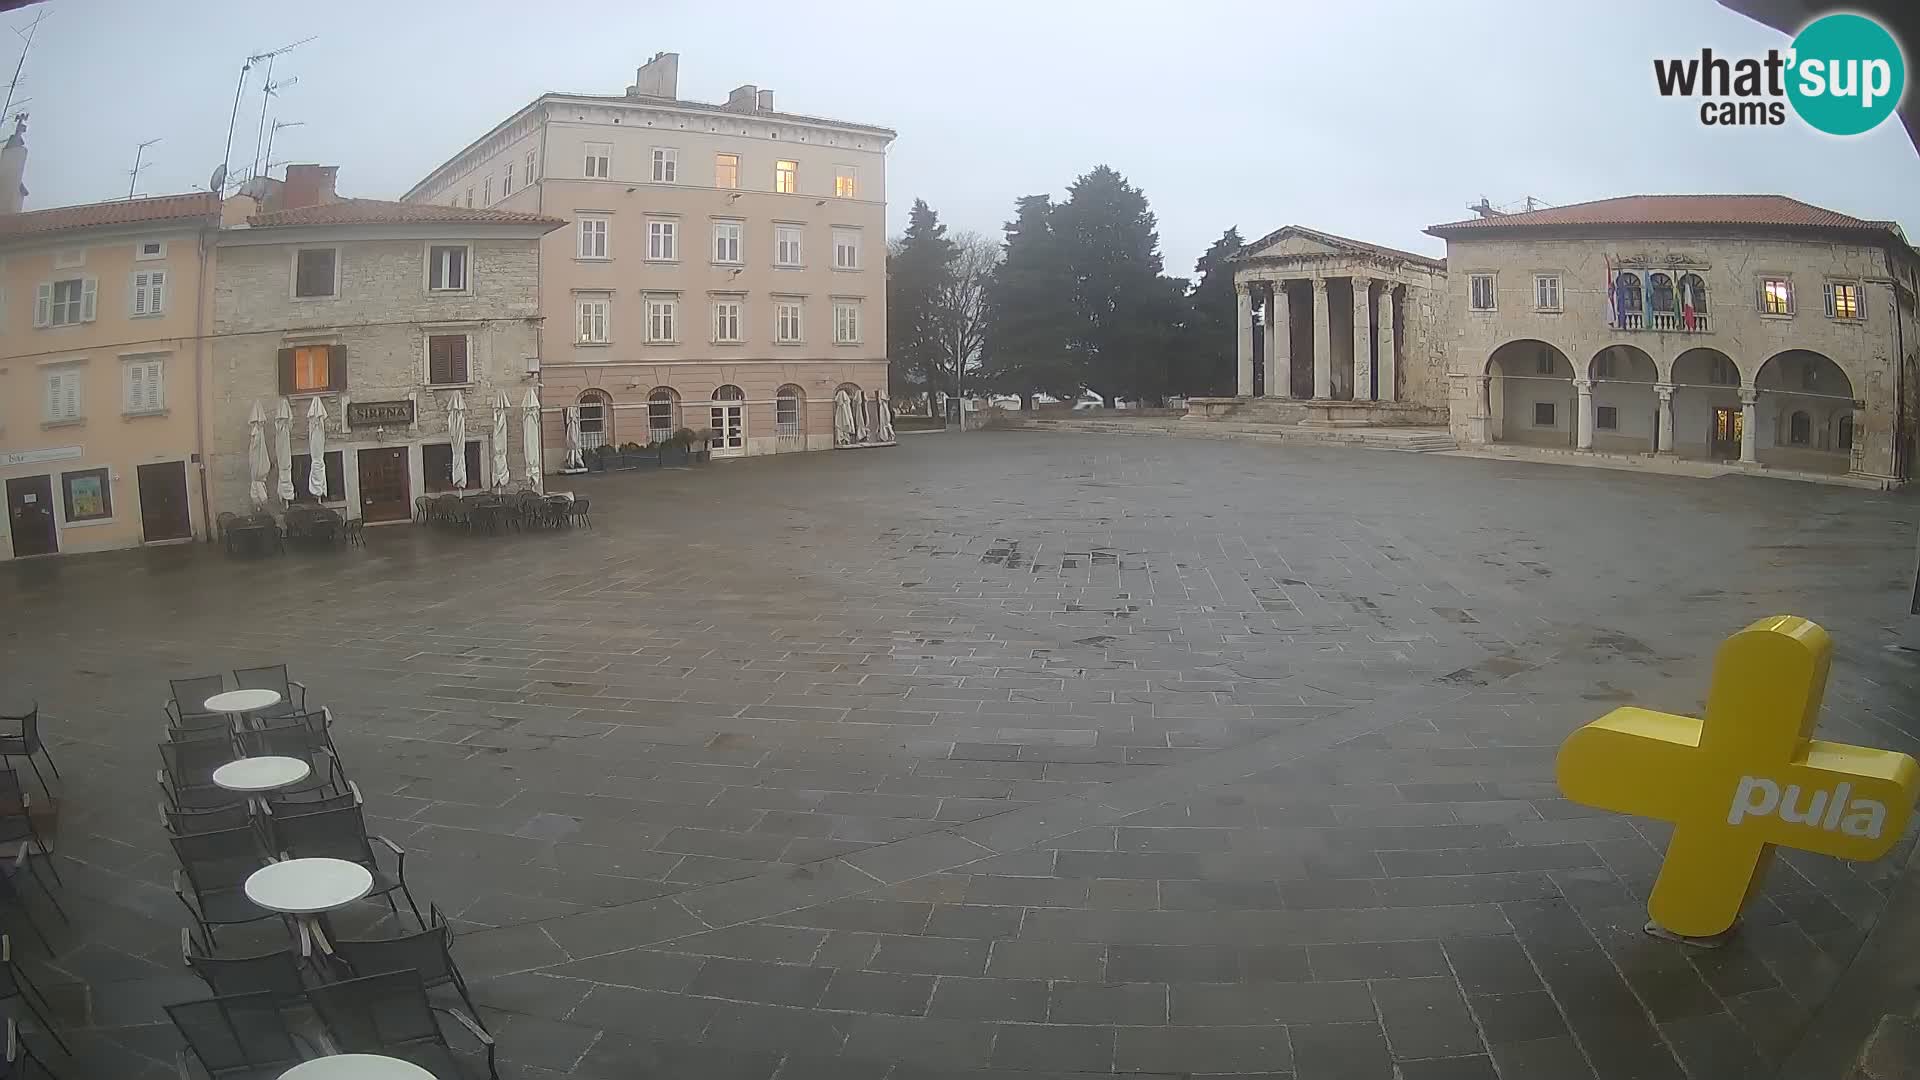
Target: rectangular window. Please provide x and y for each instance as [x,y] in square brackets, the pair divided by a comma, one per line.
[1543,362]
[486,192]
[68,258]
[436,463]
[447,360]
[1722,372]
[1543,414]
[846,249]
[151,249]
[447,268]
[313,272]
[1602,366]
[1843,300]
[1606,418]
[593,238]
[726,320]
[660,320]
[726,241]
[335,466]
[846,181]
[599,164]
[786,414]
[64,303]
[594,319]
[88,495]
[149,292]
[846,323]
[786,322]
[528,175]
[1480,292]
[1776,296]
[663,241]
[469,198]
[145,386]
[1546,292]
[786,245]
[666,165]
[786,177]
[726,170]
[307,369]
[63,395]
[506,180]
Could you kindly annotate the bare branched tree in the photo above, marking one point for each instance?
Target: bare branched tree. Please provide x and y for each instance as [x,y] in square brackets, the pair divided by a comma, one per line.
[962,308]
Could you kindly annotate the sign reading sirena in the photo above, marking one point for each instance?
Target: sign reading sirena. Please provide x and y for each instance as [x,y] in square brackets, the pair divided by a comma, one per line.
[362,413]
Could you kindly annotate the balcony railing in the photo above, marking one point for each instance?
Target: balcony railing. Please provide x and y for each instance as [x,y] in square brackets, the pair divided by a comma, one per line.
[1667,322]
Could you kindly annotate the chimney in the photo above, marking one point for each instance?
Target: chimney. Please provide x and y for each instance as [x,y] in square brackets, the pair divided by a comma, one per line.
[744,99]
[308,185]
[763,101]
[13,167]
[658,77]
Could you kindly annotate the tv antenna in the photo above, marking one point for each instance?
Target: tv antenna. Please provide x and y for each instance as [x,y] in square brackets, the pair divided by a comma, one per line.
[133,174]
[267,90]
[240,87]
[266,167]
[14,84]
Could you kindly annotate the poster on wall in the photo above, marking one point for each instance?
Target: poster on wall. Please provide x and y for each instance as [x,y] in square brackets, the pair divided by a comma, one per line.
[88,496]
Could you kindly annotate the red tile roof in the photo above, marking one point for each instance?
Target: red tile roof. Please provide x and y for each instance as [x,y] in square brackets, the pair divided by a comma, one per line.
[383,212]
[1739,210]
[166,209]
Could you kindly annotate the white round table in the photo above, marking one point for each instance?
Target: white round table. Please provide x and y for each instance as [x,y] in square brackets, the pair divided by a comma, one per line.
[308,886]
[236,702]
[356,1067]
[256,774]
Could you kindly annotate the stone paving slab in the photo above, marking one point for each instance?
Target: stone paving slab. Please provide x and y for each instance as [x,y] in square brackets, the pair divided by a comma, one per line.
[1008,755]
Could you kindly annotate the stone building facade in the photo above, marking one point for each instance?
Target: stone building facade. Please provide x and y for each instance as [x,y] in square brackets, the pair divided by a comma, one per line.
[1749,329]
[724,266]
[392,317]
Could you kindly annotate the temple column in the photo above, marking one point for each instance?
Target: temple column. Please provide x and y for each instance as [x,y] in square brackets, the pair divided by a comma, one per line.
[1664,423]
[1243,296]
[1748,399]
[1386,364]
[1273,342]
[1362,339]
[1583,415]
[1322,346]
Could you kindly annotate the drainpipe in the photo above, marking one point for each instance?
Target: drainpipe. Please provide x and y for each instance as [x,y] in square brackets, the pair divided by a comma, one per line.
[199,371]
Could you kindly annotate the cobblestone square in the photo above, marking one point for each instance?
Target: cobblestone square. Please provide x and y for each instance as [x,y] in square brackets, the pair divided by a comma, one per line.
[1013,754]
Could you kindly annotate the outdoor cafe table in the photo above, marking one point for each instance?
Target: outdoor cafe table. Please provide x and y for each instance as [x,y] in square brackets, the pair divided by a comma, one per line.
[253,776]
[356,1067]
[309,888]
[238,703]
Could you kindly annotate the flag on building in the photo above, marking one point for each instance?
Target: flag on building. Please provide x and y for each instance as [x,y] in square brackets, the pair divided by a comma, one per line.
[1686,305]
[1613,303]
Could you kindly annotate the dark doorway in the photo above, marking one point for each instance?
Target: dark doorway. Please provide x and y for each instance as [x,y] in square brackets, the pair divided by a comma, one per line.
[383,485]
[163,502]
[1300,343]
[30,515]
[1729,424]
[1260,332]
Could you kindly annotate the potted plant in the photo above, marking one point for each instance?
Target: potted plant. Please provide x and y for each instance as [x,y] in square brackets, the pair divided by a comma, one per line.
[596,458]
[628,455]
[673,449]
[700,443]
[648,454]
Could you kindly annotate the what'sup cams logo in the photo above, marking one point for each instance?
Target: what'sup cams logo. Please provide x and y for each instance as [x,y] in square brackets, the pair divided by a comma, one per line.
[1843,74]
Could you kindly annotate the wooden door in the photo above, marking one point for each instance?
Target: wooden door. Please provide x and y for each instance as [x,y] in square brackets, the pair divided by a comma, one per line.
[163,502]
[384,485]
[30,515]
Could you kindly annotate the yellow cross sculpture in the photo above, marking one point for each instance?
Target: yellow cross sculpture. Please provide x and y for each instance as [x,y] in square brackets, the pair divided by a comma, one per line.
[1744,779]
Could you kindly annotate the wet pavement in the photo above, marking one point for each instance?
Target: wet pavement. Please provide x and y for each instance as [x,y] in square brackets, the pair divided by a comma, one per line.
[1011,754]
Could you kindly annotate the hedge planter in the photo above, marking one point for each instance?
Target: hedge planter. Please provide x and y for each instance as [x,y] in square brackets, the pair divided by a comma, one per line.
[672,455]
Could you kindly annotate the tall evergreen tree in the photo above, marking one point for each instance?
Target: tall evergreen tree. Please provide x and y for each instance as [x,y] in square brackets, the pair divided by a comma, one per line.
[1126,314]
[1210,361]
[1029,308]
[919,273]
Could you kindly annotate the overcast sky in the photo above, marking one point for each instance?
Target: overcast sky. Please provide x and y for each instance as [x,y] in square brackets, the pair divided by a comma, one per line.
[1367,118]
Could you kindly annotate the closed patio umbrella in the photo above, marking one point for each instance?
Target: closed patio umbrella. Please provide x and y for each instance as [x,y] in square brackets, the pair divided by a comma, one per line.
[257,463]
[457,431]
[501,407]
[283,447]
[574,458]
[843,426]
[317,449]
[530,436]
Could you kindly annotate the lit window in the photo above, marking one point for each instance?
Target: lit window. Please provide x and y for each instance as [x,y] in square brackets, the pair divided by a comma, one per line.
[1606,418]
[599,164]
[846,181]
[1843,300]
[1546,292]
[726,170]
[663,240]
[726,241]
[447,360]
[150,292]
[63,395]
[1543,414]
[846,249]
[786,177]
[660,320]
[307,369]
[1776,296]
[666,165]
[846,323]
[593,238]
[726,320]
[593,321]
[786,245]
[447,268]
[64,303]
[145,386]
[313,272]
[786,322]
[1480,292]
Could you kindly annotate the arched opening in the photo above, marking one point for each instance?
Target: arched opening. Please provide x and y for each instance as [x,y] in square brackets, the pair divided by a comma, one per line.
[1693,303]
[596,419]
[729,435]
[1530,395]
[1629,304]
[663,413]
[1626,413]
[1666,315]
[1707,421]
[789,412]
[1803,416]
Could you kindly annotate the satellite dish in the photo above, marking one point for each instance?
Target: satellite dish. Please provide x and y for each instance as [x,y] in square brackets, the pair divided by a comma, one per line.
[219,179]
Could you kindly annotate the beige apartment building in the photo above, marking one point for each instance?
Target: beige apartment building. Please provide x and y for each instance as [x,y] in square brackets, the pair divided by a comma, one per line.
[1751,329]
[101,312]
[723,266]
[399,330]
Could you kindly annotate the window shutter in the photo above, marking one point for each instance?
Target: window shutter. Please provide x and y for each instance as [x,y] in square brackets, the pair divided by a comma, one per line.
[156,291]
[70,393]
[1829,294]
[136,387]
[88,293]
[437,360]
[336,367]
[458,356]
[139,294]
[286,372]
[43,305]
[53,395]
